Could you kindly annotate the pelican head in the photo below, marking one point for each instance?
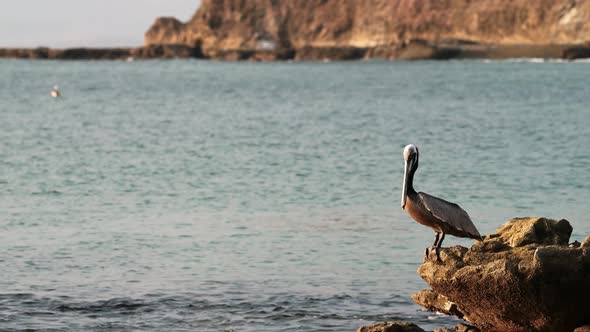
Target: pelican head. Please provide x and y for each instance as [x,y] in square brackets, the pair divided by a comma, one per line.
[410,166]
[409,151]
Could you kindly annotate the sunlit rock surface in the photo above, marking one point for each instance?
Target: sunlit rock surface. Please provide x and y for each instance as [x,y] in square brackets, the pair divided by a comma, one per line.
[318,29]
[524,277]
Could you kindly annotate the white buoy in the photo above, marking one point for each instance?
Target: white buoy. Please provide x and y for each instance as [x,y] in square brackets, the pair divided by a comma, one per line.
[55,92]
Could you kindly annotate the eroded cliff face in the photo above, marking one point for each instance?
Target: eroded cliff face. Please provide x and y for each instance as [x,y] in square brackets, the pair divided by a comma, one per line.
[272,24]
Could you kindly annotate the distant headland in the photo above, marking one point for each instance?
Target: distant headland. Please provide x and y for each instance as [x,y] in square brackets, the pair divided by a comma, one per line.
[349,30]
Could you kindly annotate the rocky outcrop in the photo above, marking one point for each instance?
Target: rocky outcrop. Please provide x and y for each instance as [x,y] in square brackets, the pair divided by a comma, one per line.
[524,277]
[168,31]
[317,29]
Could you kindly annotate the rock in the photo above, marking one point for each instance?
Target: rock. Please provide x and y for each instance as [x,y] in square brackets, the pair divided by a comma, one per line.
[315,29]
[330,53]
[167,51]
[83,53]
[88,53]
[255,55]
[466,328]
[423,49]
[519,232]
[585,328]
[80,53]
[391,327]
[524,277]
[459,328]
[168,30]
[586,242]
[434,301]
[575,244]
[576,52]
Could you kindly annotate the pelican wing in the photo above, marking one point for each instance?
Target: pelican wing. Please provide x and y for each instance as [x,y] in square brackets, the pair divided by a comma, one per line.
[449,213]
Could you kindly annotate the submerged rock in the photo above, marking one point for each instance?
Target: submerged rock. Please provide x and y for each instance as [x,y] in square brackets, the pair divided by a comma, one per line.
[409,327]
[524,277]
[391,327]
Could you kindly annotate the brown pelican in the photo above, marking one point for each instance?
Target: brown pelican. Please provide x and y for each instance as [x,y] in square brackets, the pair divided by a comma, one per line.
[55,92]
[442,216]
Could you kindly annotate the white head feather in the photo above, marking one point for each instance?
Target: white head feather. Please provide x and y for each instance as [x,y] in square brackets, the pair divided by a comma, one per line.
[409,150]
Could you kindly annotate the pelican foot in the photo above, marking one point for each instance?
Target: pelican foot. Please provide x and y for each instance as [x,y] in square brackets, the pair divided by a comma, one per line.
[437,250]
[428,253]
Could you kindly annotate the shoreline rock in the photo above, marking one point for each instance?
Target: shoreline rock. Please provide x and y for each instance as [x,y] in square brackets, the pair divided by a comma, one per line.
[390,327]
[524,277]
[396,326]
[411,50]
[118,53]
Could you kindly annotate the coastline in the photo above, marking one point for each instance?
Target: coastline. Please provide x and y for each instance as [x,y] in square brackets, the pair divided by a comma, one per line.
[108,53]
[412,50]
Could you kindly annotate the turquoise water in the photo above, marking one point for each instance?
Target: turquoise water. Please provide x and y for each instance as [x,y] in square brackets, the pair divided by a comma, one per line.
[211,196]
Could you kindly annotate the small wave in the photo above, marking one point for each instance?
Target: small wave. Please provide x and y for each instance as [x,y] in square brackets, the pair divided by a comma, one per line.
[164,311]
[112,305]
[47,192]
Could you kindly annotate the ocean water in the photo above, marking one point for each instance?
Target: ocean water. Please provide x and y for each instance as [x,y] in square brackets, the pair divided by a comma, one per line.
[212,196]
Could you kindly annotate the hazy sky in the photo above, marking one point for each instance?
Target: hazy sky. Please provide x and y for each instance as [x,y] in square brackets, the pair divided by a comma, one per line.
[66,23]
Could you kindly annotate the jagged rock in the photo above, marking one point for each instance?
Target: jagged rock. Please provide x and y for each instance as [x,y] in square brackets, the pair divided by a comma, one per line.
[391,327]
[167,30]
[524,277]
[434,301]
[519,232]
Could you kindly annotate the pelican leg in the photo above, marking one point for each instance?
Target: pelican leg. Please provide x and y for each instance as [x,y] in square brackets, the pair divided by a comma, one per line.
[438,247]
[429,250]
[436,240]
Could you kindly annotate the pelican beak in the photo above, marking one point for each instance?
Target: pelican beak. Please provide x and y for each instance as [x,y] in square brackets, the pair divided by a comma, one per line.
[405,186]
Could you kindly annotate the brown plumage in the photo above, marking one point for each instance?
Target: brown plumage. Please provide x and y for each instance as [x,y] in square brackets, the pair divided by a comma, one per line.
[442,216]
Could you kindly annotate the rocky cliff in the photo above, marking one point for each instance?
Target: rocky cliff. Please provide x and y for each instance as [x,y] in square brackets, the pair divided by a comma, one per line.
[381,26]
